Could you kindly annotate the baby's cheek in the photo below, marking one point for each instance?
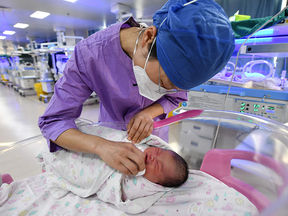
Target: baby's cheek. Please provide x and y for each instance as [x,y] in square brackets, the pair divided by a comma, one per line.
[152,175]
[149,171]
[150,167]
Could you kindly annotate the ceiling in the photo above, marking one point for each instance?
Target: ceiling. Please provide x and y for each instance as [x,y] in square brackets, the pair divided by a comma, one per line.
[81,15]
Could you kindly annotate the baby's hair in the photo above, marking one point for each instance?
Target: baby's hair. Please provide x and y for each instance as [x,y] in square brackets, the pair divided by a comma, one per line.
[180,175]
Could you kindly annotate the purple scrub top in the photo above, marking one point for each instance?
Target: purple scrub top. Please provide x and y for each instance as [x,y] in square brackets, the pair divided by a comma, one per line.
[99,64]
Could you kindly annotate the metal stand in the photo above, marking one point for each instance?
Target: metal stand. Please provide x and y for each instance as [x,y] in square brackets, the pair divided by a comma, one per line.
[27,92]
[92,100]
[45,98]
[10,84]
[4,82]
[16,88]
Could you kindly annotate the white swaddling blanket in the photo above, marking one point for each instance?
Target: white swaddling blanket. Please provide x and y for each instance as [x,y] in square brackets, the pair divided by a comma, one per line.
[86,174]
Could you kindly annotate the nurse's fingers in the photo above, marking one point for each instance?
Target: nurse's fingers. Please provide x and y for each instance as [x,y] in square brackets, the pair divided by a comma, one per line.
[122,168]
[134,161]
[138,158]
[133,129]
[146,132]
[143,132]
[130,125]
[136,137]
[130,167]
[123,156]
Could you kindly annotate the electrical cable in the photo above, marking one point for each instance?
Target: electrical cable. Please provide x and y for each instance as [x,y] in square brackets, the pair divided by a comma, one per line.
[232,77]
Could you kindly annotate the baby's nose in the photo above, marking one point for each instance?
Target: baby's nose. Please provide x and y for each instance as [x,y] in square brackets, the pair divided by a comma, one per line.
[152,157]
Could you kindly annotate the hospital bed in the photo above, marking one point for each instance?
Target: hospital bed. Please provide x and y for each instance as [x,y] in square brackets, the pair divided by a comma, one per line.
[249,154]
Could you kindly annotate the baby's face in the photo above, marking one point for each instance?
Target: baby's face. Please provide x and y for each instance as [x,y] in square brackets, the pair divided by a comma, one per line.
[158,163]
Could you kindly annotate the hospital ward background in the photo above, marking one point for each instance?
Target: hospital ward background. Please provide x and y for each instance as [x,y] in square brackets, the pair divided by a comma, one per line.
[232,131]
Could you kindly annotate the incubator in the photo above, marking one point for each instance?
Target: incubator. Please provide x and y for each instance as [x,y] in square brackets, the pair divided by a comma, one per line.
[60,64]
[259,85]
[249,153]
[4,67]
[25,79]
[12,70]
[46,77]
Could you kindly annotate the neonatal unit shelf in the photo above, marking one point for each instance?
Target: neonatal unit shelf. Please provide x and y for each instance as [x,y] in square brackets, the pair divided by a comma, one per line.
[267,50]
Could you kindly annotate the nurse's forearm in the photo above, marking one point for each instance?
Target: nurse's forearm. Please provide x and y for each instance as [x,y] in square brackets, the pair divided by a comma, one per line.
[154,110]
[75,140]
[141,125]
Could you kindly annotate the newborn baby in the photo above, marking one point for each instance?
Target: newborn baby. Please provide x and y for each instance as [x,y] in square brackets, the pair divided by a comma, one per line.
[86,174]
[165,167]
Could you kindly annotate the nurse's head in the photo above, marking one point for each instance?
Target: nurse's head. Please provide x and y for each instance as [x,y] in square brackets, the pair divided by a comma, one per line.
[165,167]
[194,41]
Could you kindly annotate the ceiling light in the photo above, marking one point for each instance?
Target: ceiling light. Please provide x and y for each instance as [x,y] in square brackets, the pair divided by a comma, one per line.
[9,32]
[2,37]
[21,25]
[8,9]
[71,0]
[39,14]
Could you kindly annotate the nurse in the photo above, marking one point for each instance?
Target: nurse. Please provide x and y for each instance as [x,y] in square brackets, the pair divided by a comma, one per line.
[139,75]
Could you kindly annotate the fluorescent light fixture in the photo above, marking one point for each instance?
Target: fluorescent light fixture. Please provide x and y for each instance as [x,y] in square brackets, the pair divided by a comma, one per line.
[20,25]
[39,14]
[6,143]
[265,32]
[9,32]
[71,1]
[2,37]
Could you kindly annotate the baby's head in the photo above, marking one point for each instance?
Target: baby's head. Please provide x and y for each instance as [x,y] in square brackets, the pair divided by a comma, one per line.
[165,167]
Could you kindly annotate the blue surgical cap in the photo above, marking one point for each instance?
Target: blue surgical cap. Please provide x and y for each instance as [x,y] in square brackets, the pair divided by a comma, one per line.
[194,42]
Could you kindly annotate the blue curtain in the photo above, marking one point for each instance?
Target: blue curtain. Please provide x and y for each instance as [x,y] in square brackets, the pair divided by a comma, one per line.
[254,8]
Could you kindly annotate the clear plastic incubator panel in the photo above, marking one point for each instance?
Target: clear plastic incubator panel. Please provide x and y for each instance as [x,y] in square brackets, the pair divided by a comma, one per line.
[256,71]
[262,62]
[263,175]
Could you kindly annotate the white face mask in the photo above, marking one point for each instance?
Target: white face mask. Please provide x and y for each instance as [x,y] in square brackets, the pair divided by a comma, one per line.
[147,88]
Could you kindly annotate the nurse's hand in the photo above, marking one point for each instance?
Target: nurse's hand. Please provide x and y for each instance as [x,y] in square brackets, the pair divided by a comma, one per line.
[123,156]
[140,126]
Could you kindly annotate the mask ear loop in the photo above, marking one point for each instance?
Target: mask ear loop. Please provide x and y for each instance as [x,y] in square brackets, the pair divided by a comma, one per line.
[159,79]
[136,44]
[150,52]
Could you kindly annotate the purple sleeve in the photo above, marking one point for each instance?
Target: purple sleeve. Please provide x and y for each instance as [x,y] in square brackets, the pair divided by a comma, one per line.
[65,106]
[171,102]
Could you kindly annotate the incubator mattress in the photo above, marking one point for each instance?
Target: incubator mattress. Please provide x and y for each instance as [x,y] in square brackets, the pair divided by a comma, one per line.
[202,194]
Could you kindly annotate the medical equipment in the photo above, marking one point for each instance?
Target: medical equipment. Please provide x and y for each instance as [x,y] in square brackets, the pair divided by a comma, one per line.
[222,74]
[12,67]
[61,60]
[26,77]
[270,104]
[45,76]
[4,69]
[261,93]
[249,74]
